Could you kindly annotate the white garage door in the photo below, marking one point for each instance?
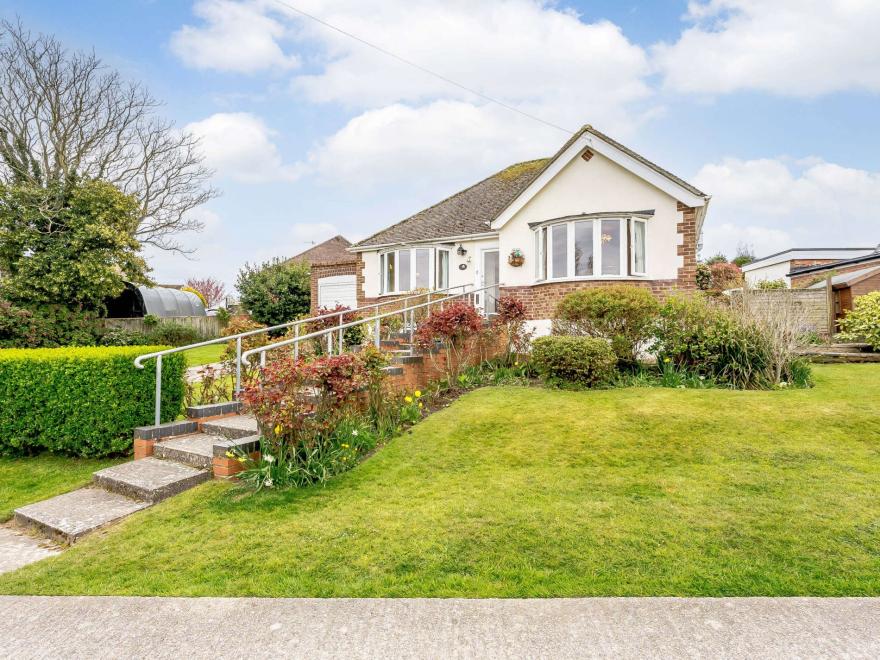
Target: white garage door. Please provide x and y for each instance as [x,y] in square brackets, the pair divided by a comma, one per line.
[337,290]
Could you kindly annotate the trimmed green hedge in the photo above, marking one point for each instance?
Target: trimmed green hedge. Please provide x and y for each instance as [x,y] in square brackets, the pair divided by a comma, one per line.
[573,361]
[82,401]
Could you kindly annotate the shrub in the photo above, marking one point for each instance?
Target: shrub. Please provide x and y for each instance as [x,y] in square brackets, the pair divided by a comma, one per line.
[453,327]
[175,334]
[81,401]
[734,347]
[622,315]
[275,292]
[771,285]
[353,336]
[862,323]
[46,326]
[124,337]
[511,319]
[703,277]
[576,361]
[725,276]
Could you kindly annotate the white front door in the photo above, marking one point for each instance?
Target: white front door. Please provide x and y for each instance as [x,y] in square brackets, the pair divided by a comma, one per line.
[490,274]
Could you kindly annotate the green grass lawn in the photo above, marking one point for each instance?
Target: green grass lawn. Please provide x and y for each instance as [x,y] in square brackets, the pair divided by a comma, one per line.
[204,355]
[532,492]
[27,480]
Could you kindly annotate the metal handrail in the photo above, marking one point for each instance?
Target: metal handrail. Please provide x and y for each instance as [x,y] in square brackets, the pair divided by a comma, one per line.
[262,350]
[139,361]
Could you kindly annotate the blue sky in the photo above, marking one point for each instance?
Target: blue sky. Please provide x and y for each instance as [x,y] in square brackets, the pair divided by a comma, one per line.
[771,107]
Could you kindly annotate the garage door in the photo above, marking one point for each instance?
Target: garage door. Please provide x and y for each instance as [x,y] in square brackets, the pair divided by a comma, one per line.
[337,290]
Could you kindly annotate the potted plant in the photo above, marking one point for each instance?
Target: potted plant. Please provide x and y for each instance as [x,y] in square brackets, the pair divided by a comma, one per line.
[516,258]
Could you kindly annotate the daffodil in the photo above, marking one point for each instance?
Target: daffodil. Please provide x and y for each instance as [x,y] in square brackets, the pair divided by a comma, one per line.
[418,393]
[408,399]
[667,360]
[421,405]
[278,430]
[229,454]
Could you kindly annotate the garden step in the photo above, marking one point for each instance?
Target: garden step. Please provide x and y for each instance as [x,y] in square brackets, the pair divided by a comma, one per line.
[407,359]
[74,514]
[150,479]
[232,427]
[196,450]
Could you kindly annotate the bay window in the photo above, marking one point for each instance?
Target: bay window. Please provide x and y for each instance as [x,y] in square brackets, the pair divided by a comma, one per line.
[591,248]
[407,269]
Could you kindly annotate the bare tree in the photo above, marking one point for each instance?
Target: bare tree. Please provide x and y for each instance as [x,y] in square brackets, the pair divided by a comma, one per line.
[65,116]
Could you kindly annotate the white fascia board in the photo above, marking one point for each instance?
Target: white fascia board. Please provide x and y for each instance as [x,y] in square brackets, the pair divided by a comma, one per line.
[615,155]
[461,238]
[837,254]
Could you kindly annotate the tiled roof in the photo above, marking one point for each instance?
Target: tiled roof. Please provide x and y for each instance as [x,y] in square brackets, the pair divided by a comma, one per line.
[330,251]
[471,210]
[466,212]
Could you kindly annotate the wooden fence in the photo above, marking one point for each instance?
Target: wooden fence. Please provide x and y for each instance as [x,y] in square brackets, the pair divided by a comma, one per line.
[208,326]
[814,304]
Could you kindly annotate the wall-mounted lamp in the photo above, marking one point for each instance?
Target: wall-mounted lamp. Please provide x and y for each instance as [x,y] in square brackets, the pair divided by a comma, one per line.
[461,251]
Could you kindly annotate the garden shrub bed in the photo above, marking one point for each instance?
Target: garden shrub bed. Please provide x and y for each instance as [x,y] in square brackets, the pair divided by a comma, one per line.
[81,401]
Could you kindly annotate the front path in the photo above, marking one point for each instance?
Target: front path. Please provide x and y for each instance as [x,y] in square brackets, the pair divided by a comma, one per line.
[98,627]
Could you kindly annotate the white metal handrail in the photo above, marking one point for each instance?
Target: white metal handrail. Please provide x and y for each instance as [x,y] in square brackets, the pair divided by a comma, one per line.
[376,320]
[139,361]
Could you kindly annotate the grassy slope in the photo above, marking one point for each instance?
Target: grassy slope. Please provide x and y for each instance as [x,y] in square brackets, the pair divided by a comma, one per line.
[529,492]
[204,355]
[27,480]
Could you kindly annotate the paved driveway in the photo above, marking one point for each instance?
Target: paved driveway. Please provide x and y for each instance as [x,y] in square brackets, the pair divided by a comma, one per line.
[37,627]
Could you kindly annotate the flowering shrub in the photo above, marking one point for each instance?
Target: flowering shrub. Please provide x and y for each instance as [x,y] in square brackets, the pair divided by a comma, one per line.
[451,327]
[862,323]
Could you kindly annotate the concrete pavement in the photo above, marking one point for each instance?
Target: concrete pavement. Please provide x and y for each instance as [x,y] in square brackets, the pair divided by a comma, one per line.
[96,627]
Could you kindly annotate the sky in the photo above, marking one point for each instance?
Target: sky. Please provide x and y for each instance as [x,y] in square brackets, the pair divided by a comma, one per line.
[770,106]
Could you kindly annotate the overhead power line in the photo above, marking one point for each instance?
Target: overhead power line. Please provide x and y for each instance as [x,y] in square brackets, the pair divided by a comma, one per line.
[424,69]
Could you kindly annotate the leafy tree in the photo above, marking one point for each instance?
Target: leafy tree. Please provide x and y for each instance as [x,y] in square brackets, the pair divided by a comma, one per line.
[70,245]
[66,116]
[275,292]
[716,259]
[744,255]
[213,291]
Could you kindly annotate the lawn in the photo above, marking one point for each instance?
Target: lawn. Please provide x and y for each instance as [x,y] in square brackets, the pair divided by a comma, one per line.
[27,480]
[196,357]
[532,492]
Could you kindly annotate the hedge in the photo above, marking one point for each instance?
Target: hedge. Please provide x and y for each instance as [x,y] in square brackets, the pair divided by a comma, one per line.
[573,361]
[82,401]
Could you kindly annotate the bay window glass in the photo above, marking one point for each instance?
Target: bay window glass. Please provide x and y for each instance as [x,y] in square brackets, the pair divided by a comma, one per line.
[610,240]
[638,246]
[442,269]
[389,272]
[560,250]
[403,270]
[423,268]
[583,248]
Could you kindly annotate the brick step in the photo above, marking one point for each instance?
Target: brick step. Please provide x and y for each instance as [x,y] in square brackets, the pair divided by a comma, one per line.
[232,428]
[70,516]
[150,479]
[195,450]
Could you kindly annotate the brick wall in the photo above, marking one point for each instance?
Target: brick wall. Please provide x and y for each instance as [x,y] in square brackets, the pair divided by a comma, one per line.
[867,285]
[687,229]
[350,267]
[801,281]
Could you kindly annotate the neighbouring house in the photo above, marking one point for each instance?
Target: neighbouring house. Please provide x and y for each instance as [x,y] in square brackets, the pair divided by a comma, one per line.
[595,213]
[850,278]
[333,273]
[777,266]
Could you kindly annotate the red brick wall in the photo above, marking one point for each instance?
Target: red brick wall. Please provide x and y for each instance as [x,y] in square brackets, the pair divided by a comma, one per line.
[687,228]
[801,281]
[331,269]
[867,285]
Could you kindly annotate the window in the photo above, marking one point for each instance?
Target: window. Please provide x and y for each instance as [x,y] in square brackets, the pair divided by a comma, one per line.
[583,248]
[602,247]
[560,250]
[639,228]
[413,268]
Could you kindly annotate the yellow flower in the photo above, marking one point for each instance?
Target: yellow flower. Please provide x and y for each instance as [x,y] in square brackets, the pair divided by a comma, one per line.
[421,405]
[345,446]
[241,459]
[229,454]
[408,399]
[516,364]
[278,430]
[418,393]
[667,360]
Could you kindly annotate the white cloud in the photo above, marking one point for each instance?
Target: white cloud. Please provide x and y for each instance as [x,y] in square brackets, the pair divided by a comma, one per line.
[236,36]
[239,145]
[791,47]
[774,204]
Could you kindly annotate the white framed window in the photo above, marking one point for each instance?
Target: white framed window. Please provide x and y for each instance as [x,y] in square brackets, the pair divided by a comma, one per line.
[591,248]
[407,269]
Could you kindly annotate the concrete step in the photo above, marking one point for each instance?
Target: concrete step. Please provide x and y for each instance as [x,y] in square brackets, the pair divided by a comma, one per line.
[150,479]
[19,549]
[232,427]
[196,450]
[70,516]
[407,359]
